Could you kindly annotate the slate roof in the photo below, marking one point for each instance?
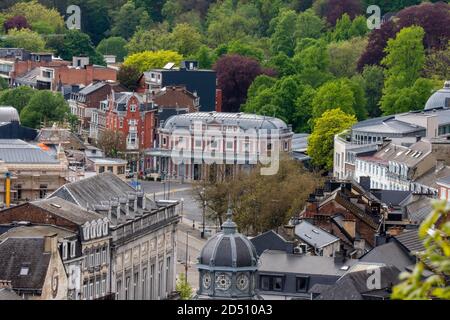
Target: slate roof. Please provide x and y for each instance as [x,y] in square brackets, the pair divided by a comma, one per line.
[175,96]
[409,156]
[410,240]
[391,197]
[8,294]
[444,181]
[60,135]
[271,240]
[244,120]
[419,208]
[433,176]
[90,191]
[18,252]
[353,285]
[67,210]
[18,151]
[391,254]
[314,236]
[36,231]
[282,262]
[92,88]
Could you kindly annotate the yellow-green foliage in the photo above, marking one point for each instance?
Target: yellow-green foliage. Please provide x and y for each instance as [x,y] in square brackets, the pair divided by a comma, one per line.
[146,60]
[436,256]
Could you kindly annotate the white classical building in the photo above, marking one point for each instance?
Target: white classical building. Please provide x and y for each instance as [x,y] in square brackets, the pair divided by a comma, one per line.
[195,145]
[402,129]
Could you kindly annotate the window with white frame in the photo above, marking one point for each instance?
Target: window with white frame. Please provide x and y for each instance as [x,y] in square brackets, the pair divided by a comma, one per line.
[72,249]
[133,108]
[64,250]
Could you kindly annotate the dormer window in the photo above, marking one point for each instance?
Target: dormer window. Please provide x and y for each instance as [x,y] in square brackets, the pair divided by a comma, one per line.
[105,228]
[86,231]
[99,228]
[93,230]
[64,250]
[24,270]
[133,108]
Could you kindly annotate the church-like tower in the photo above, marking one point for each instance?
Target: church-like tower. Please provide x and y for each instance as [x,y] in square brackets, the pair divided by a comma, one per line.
[227,265]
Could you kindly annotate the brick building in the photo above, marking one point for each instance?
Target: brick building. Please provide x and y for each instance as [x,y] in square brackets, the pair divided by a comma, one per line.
[128,113]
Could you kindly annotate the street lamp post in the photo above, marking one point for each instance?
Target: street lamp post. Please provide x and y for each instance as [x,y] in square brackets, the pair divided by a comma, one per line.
[186,262]
[182,203]
[203,216]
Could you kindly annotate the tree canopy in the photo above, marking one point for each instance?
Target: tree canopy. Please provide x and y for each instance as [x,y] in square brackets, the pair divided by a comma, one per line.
[147,60]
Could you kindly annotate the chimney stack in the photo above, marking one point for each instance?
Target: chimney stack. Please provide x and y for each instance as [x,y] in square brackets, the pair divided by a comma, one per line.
[51,243]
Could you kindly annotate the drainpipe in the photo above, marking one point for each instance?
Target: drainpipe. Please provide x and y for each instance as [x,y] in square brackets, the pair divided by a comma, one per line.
[8,189]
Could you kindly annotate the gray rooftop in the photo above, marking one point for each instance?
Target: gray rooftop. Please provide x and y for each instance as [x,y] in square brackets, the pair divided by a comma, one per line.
[444,180]
[390,254]
[18,252]
[35,231]
[91,191]
[243,120]
[282,262]
[18,151]
[67,210]
[410,240]
[440,98]
[314,236]
[92,88]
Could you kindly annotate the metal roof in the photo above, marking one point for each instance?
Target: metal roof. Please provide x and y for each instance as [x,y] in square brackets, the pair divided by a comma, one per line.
[410,240]
[282,262]
[18,151]
[440,98]
[313,235]
[243,120]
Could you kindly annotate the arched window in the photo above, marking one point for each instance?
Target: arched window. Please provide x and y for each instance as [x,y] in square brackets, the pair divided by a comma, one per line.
[86,231]
[93,229]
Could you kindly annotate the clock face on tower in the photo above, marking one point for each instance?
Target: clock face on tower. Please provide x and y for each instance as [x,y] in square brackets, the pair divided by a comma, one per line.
[206,280]
[242,282]
[223,281]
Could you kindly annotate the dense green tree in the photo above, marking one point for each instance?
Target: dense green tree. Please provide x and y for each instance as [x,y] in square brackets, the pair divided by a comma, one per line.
[183,287]
[153,39]
[344,56]
[283,38]
[3,84]
[206,57]
[334,94]
[312,64]
[408,98]
[129,77]
[246,49]
[321,141]
[346,28]
[16,97]
[153,8]
[227,21]
[309,25]
[76,43]
[435,234]
[437,64]
[113,46]
[282,64]
[404,62]
[373,85]
[185,39]
[44,108]
[24,38]
[303,110]
[127,19]
[147,60]
[41,18]
[95,20]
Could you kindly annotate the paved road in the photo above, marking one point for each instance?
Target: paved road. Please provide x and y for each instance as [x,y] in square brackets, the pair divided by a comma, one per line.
[195,245]
[192,210]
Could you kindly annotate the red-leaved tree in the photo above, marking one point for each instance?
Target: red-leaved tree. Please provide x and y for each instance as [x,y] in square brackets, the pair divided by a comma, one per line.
[235,74]
[16,22]
[434,18]
[334,9]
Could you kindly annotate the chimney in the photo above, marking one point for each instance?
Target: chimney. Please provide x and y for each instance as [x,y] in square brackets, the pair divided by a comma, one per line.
[290,230]
[440,164]
[124,205]
[339,256]
[51,243]
[350,227]
[365,183]
[140,198]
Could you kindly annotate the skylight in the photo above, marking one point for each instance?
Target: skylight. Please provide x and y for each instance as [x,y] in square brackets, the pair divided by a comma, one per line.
[24,271]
